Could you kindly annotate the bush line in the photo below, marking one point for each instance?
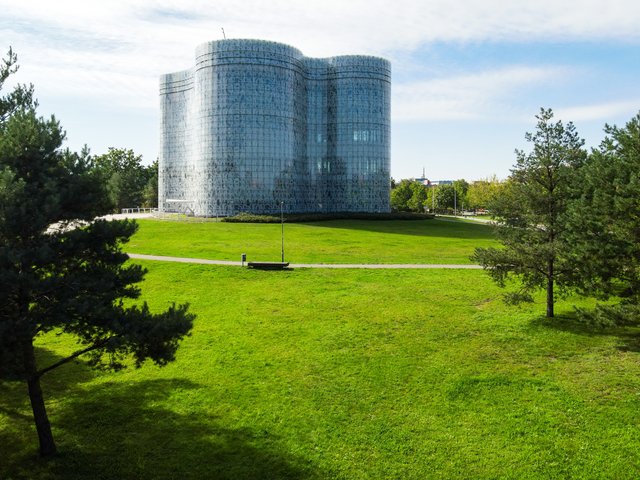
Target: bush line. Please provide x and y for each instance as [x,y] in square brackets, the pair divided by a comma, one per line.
[316,217]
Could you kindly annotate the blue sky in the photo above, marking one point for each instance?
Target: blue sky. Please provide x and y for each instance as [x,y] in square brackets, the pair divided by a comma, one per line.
[468,76]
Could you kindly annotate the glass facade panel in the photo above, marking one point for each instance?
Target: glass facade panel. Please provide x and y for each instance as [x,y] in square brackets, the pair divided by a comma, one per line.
[256,123]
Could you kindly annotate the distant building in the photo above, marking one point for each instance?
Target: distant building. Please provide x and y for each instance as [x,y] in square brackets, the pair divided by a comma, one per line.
[424,181]
[255,124]
[433,183]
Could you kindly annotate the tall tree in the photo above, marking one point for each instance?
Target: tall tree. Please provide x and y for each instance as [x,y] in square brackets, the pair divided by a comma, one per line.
[150,192]
[461,188]
[409,196]
[401,195]
[61,271]
[482,192]
[418,197]
[125,176]
[605,225]
[445,197]
[21,97]
[531,213]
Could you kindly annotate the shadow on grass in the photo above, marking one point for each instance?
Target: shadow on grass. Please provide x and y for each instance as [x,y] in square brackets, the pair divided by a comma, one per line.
[124,431]
[14,399]
[423,228]
[18,438]
[629,337]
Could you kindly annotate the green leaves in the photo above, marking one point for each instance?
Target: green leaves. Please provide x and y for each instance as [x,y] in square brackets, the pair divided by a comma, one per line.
[126,178]
[21,97]
[401,195]
[572,220]
[605,221]
[60,268]
[531,212]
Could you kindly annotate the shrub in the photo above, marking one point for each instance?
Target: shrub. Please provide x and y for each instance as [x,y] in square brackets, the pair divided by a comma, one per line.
[244,217]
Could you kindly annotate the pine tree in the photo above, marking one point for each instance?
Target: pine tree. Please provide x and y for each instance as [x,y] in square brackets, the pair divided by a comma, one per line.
[531,213]
[62,271]
[605,225]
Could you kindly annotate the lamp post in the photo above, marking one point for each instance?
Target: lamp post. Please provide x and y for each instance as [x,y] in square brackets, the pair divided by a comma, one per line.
[455,201]
[282,225]
[433,198]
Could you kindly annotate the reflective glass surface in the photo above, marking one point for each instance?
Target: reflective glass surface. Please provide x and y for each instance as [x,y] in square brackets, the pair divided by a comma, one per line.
[256,123]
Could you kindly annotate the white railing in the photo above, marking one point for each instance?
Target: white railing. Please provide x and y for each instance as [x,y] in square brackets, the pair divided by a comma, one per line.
[139,210]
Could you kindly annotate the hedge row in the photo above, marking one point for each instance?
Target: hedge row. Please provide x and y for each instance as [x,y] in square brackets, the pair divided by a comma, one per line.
[316,217]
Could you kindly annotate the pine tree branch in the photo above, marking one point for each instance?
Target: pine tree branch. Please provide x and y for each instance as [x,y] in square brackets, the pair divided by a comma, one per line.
[73,356]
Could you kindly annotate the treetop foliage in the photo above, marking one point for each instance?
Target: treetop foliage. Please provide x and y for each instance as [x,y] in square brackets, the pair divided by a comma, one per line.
[129,182]
[531,212]
[21,97]
[71,278]
[61,270]
[409,195]
[48,184]
[571,219]
[605,220]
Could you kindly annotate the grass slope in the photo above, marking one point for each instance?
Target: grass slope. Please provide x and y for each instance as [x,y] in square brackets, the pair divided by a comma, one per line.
[336,241]
[343,374]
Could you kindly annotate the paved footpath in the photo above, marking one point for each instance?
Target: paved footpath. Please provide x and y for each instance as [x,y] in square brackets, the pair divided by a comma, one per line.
[204,261]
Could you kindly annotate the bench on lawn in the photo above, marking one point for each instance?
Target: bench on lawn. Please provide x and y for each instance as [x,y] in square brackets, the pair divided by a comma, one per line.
[268,265]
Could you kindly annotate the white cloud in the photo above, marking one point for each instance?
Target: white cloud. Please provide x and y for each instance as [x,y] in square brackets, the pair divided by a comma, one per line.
[335,26]
[377,25]
[93,53]
[135,42]
[470,96]
[601,112]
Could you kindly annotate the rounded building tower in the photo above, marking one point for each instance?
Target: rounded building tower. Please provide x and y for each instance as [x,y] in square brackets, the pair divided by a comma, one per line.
[256,126]
[349,114]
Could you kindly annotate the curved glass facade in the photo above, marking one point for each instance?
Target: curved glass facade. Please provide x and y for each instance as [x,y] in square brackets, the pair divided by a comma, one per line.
[256,123]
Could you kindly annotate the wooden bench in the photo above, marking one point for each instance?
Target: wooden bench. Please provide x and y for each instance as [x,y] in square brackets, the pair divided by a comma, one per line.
[268,265]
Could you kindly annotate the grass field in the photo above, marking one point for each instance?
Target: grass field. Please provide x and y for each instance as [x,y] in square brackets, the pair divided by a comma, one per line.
[354,374]
[336,241]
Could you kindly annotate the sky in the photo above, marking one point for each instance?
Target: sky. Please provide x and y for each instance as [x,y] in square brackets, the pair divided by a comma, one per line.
[468,76]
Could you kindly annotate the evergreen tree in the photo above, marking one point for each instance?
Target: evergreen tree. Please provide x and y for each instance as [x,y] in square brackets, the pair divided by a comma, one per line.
[531,213]
[605,225]
[21,97]
[61,271]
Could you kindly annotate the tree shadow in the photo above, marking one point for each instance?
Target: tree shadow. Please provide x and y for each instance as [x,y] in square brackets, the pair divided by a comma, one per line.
[631,343]
[18,438]
[423,228]
[124,431]
[15,418]
[628,336]
[147,440]
[14,399]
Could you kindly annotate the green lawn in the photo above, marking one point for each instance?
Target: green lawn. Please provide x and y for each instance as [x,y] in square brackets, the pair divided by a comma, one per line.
[348,374]
[336,241]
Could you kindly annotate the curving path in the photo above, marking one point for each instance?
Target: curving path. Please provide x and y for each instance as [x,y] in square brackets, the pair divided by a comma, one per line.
[205,261]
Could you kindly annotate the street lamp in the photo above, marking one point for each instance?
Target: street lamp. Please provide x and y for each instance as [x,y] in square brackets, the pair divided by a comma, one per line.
[433,198]
[455,201]
[282,225]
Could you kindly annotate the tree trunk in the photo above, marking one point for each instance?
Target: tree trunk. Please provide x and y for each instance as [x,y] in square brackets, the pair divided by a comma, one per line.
[550,299]
[43,427]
